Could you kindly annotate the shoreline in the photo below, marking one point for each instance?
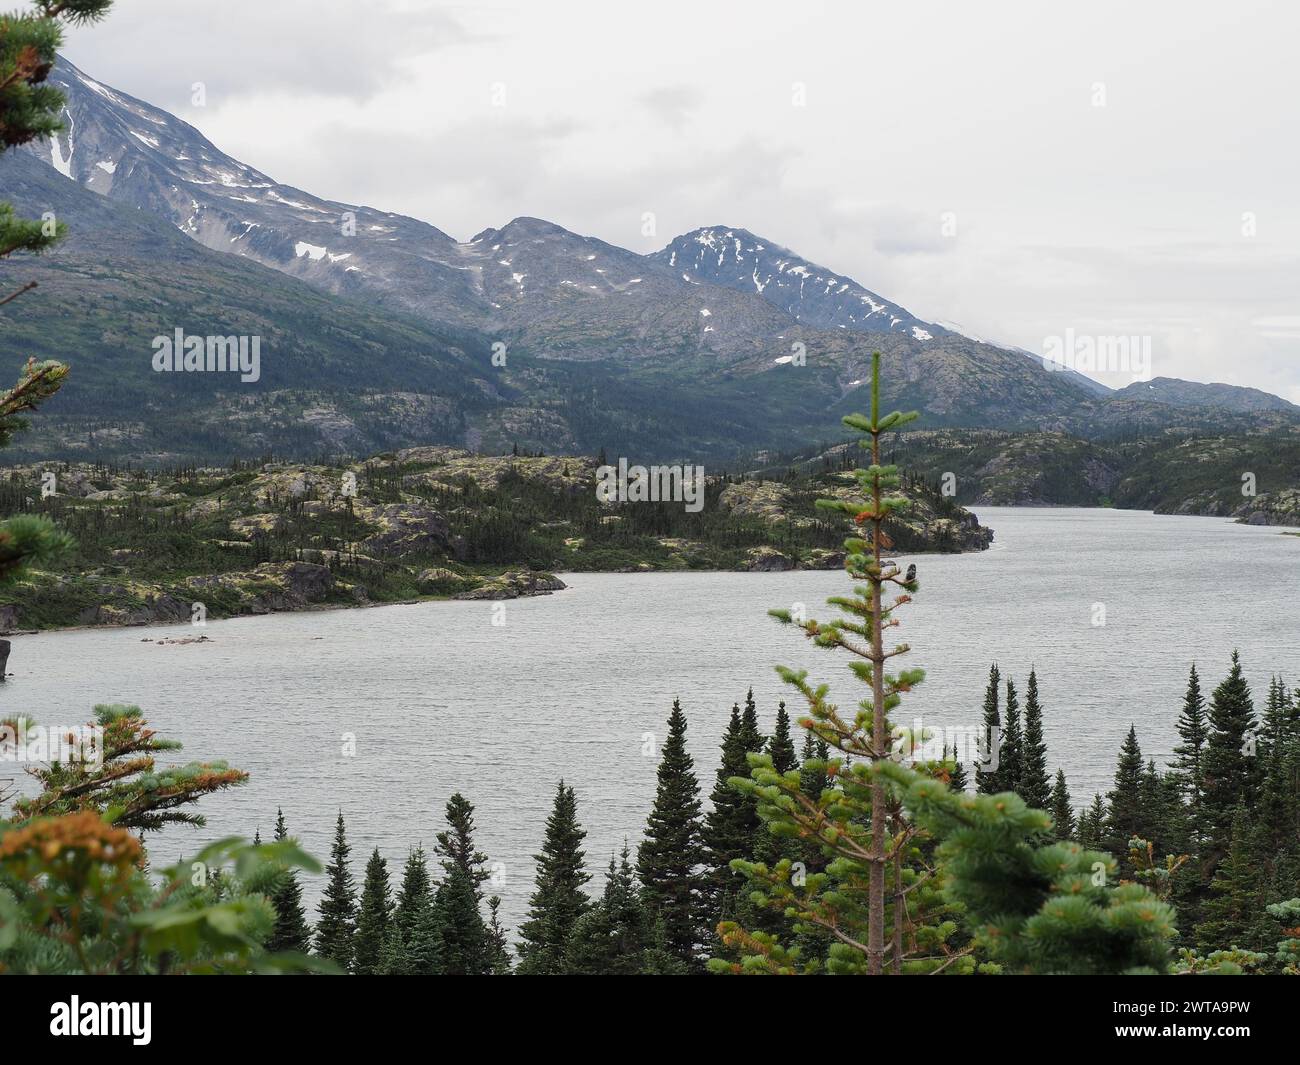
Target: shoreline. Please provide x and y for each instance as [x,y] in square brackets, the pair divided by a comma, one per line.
[1283,530]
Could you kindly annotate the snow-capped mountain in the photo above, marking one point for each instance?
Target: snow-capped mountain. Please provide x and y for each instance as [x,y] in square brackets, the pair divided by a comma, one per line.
[809,293]
[147,158]
[704,335]
[714,291]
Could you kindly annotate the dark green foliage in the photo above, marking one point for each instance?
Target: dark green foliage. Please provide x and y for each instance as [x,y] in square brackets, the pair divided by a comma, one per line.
[498,944]
[781,746]
[1091,828]
[558,900]
[1127,816]
[616,937]
[30,107]
[958,778]
[1011,768]
[1062,811]
[466,943]
[1192,729]
[1232,914]
[990,781]
[374,919]
[671,854]
[1035,787]
[291,932]
[731,828]
[412,945]
[1229,764]
[338,906]
[751,735]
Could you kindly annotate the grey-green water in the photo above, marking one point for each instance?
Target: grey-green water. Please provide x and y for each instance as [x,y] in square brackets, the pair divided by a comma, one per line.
[441,699]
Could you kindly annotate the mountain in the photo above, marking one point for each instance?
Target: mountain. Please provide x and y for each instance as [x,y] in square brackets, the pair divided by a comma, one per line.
[808,293]
[334,374]
[1169,472]
[1176,393]
[720,345]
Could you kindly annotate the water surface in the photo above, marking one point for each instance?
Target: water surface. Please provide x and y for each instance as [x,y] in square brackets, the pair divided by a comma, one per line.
[440,699]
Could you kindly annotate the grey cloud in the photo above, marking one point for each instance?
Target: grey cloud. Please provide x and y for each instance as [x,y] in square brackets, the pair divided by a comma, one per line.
[250,47]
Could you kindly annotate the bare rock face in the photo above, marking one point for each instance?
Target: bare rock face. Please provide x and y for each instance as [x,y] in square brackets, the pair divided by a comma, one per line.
[515,585]
[272,586]
[8,618]
[768,560]
[406,527]
[1271,508]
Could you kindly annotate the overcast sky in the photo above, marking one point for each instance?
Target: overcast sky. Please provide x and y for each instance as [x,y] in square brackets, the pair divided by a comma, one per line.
[1101,171]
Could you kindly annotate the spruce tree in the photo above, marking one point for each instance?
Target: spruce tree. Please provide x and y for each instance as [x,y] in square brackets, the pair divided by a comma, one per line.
[1229,764]
[498,943]
[1011,769]
[465,940]
[751,734]
[874,885]
[989,777]
[1091,828]
[1232,915]
[611,938]
[455,844]
[412,946]
[338,905]
[1037,908]
[1276,832]
[671,854]
[781,746]
[1062,811]
[558,899]
[374,918]
[291,932]
[1126,816]
[812,765]
[423,953]
[1035,784]
[1188,755]
[958,779]
[730,829]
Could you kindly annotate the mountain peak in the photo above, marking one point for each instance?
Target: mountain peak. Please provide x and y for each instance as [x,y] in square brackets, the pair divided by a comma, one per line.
[812,294]
[525,227]
[1177,393]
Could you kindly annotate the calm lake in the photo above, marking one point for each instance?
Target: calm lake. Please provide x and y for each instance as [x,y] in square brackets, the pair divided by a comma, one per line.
[441,699]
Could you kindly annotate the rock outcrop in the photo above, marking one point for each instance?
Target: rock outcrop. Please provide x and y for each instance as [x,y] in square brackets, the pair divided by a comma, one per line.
[514,585]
